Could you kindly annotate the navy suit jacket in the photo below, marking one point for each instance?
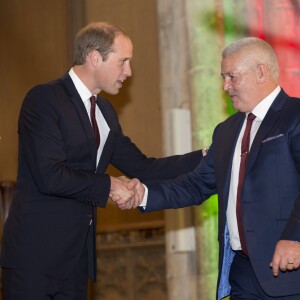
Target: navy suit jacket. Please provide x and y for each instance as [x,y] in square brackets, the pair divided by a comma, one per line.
[58,185]
[270,199]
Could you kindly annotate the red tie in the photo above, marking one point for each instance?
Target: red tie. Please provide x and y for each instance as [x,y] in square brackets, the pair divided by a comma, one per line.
[244,155]
[93,120]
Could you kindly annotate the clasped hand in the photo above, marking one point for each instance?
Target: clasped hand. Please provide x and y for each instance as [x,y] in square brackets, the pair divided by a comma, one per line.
[126,193]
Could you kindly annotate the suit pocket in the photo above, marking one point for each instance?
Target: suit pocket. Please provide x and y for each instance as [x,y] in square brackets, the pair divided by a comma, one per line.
[272,138]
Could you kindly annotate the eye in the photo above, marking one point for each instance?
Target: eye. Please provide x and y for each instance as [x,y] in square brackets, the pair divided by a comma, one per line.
[232,77]
[124,61]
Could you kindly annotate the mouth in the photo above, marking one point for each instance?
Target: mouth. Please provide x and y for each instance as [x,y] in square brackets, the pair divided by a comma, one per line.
[120,83]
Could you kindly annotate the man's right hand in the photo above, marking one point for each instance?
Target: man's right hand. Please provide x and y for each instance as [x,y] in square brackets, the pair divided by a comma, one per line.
[126,193]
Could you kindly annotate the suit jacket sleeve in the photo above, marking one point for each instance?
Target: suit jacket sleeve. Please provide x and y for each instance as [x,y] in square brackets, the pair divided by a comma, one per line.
[292,228]
[186,190]
[54,149]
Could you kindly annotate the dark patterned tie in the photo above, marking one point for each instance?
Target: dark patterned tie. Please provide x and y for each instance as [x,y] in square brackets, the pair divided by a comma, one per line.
[93,120]
[244,155]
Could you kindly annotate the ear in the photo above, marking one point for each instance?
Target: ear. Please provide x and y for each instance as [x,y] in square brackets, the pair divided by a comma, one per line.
[94,58]
[261,73]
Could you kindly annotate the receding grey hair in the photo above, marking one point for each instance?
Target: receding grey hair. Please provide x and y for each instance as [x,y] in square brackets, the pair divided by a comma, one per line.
[95,36]
[256,51]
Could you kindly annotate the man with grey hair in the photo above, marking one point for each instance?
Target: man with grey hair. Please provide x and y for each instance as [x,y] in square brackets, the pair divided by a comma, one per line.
[68,135]
[253,165]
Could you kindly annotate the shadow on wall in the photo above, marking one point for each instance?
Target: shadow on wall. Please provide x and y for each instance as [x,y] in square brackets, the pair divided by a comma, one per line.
[6,194]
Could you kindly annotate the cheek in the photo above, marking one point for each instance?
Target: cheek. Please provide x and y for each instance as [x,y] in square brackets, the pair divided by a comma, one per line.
[115,72]
[240,86]
[119,70]
[108,71]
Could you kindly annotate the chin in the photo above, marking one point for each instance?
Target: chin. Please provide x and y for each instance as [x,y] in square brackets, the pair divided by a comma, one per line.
[112,92]
[235,106]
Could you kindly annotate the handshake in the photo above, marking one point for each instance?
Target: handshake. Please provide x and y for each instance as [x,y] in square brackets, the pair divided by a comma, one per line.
[126,193]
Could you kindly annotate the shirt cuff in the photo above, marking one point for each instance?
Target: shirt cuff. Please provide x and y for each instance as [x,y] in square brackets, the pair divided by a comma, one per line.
[143,204]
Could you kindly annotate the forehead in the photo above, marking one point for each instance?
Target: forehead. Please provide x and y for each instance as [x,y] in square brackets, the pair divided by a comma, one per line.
[231,63]
[123,46]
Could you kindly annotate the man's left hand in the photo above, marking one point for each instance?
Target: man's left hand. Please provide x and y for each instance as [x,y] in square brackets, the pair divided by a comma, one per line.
[286,257]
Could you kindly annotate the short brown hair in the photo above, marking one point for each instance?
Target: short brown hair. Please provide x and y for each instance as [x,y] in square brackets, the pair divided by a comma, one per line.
[95,36]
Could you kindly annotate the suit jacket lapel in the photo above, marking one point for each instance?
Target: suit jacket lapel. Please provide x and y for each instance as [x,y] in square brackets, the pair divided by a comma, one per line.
[228,138]
[82,113]
[106,153]
[267,124]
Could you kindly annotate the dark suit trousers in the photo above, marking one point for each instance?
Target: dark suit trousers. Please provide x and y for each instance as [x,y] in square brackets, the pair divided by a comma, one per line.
[244,285]
[29,285]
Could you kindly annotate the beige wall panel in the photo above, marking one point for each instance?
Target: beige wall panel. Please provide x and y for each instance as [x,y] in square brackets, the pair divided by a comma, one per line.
[34,49]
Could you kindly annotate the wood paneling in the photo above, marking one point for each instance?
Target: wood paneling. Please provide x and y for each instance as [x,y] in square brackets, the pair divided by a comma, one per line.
[34,48]
[131,265]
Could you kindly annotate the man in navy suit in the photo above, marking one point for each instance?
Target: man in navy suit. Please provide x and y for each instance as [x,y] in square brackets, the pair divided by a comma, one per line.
[267,266]
[48,246]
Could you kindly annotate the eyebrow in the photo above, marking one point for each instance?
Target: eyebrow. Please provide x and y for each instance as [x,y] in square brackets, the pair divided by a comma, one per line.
[233,73]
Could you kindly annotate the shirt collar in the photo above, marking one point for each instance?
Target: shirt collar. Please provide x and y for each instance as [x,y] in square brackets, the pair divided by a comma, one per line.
[261,109]
[84,93]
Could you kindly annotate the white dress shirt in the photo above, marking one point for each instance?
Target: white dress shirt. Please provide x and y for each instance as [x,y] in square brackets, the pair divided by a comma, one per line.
[85,96]
[260,112]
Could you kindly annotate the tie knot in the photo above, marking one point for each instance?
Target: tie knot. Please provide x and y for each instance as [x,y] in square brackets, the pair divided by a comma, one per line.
[251,117]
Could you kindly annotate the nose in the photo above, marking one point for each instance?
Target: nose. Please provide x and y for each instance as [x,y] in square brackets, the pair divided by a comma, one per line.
[226,84]
[127,70]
